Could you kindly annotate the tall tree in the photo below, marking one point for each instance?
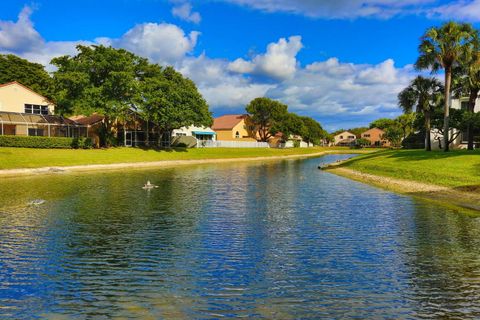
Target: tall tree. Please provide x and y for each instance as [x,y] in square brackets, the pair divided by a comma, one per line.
[266,114]
[422,95]
[32,75]
[442,48]
[382,123]
[314,132]
[171,101]
[101,80]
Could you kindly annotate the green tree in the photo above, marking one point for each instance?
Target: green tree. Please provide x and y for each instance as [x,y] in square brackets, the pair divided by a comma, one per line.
[422,95]
[267,115]
[382,123]
[406,122]
[171,101]
[100,80]
[393,134]
[32,75]
[291,124]
[459,120]
[314,133]
[467,83]
[443,48]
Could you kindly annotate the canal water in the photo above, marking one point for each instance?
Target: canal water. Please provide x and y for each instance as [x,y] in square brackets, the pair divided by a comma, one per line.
[273,240]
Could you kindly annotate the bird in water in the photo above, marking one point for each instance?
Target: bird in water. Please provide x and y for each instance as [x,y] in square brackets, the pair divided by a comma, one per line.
[36,202]
[149,186]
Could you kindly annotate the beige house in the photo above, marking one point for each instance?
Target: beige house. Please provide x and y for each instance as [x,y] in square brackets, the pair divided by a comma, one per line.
[24,112]
[375,136]
[233,127]
[344,138]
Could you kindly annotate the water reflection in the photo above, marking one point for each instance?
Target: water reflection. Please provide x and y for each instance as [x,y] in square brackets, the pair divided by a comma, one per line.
[273,240]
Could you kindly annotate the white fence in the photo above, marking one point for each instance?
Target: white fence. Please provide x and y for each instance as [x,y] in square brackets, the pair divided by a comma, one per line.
[231,144]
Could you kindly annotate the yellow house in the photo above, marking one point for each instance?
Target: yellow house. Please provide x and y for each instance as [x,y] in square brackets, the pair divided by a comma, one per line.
[233,127]
[24,112]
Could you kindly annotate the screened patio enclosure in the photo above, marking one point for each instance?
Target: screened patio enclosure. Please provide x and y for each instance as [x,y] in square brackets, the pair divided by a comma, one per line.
[21,124]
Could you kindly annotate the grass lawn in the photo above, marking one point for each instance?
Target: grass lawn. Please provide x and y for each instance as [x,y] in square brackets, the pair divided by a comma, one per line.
[12,158]
[458,168]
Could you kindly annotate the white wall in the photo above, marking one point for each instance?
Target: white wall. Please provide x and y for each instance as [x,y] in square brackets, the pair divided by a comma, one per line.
[188,131]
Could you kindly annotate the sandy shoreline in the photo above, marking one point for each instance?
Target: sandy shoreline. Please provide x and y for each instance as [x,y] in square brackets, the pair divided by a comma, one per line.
[150,164]
[452,197]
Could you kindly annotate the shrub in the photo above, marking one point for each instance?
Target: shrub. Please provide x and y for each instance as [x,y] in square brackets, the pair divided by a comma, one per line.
[45,142]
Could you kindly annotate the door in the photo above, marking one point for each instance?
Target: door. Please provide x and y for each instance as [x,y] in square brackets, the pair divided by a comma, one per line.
[128,138]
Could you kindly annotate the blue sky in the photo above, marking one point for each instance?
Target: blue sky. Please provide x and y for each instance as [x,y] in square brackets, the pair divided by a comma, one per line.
[342,62]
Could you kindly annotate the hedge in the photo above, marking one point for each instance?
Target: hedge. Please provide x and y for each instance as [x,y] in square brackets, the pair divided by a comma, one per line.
[45,142]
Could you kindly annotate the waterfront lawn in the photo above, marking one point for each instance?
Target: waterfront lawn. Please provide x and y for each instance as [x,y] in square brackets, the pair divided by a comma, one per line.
[12,158]
[457,168]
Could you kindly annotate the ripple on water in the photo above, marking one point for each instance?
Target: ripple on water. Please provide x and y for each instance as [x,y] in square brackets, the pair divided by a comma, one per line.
[279,240]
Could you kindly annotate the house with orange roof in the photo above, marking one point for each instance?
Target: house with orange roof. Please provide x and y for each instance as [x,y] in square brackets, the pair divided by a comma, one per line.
[234,127]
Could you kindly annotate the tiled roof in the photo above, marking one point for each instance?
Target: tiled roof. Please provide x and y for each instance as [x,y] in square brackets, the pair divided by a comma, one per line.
[228,121]
[87,120]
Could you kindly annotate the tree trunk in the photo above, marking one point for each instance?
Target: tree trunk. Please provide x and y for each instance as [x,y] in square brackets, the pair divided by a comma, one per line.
[446,118]
[428,129]
[471,108]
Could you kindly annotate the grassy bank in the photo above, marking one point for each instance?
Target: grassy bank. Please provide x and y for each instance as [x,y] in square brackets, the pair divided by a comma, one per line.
[458,168]
[451,179]
[15,158]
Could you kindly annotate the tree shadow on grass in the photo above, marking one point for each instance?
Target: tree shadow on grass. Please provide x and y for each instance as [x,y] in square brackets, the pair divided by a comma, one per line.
[177,149]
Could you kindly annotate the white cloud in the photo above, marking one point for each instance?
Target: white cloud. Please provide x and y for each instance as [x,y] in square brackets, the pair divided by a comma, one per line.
[466,10]
[19,36]
[334,89]
[163,43]
[220,87]
[184,12]
[338,9]
[279,62]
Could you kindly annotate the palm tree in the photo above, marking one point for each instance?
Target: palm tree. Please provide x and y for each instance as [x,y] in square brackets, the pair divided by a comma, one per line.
[442,48]
[423,94]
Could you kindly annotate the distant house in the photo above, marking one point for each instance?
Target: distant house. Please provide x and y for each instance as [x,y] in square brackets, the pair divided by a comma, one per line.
[200,134]
[24,112]
[375,136]
[345,138]
[462,139]
[234,127]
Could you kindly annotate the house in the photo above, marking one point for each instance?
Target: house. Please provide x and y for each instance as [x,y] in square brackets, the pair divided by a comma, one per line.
[375,136]
[279,141]
[199,133]
[24,112]
[131,132]
[344,138]
[462,139]
[234,127]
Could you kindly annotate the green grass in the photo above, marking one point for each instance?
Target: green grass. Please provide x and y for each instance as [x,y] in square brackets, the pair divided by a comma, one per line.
[458,168]
[12,158]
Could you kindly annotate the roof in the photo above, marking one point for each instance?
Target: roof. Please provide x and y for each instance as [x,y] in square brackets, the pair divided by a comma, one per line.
[25,87]
[21,118]
[345,133]
[228,122]
[87,120]
[373,129]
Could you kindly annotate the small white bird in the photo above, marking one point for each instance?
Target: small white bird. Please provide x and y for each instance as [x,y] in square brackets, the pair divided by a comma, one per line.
[149,186]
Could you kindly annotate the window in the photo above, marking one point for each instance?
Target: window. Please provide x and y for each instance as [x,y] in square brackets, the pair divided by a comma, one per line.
[366,135]
[35,132]
[180,134]
[464,105]
[351,137]
[36,109]
[237,135]
[341,137]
